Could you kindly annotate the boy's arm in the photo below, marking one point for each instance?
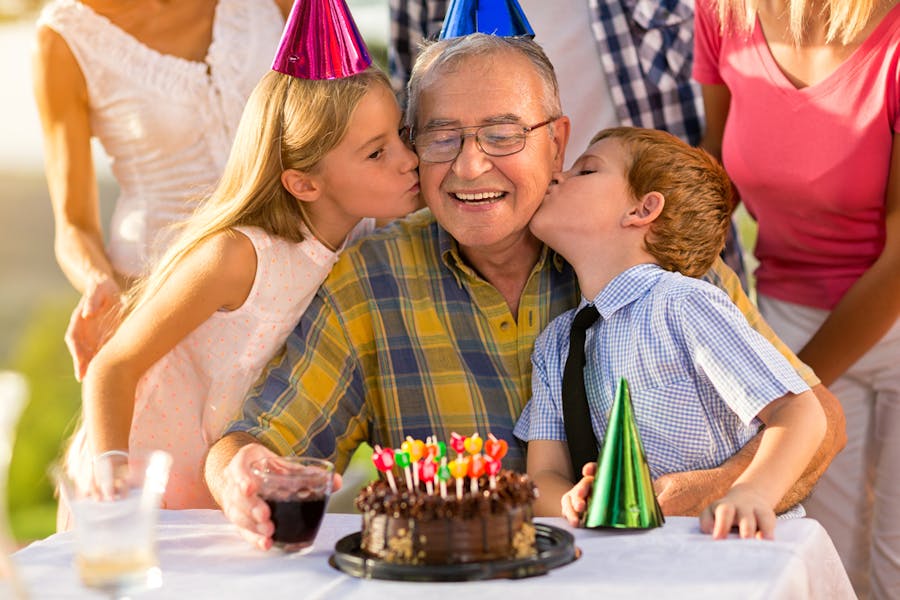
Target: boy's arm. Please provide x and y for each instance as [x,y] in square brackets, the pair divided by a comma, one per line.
[549,467]
[795,425]
[689,492]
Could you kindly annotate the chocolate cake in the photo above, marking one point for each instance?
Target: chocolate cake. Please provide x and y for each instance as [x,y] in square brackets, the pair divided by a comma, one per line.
[420,528]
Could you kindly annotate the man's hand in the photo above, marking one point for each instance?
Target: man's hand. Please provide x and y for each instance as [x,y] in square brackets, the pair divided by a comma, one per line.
[742,507]
[689,492]
[574,502]
[235,488]
[238,497]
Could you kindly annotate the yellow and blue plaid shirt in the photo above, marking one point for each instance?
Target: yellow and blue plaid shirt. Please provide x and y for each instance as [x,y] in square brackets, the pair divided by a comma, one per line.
[404,339]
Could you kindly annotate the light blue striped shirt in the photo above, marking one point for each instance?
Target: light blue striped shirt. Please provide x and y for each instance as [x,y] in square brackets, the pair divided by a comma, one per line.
[698,373]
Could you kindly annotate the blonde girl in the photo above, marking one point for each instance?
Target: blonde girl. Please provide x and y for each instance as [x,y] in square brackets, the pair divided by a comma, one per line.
[311,158]
[809,92]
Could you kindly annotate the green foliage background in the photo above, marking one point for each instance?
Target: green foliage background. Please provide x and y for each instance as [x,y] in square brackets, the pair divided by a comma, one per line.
[54,401]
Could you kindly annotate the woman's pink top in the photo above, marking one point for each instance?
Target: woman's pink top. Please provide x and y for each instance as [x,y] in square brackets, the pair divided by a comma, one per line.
[185,400]
[811,164]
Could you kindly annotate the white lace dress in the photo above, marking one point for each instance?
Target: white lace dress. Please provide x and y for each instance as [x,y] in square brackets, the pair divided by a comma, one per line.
[166,122]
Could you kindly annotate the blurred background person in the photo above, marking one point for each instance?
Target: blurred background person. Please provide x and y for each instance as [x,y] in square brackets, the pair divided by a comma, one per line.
[802,106]
[162,85]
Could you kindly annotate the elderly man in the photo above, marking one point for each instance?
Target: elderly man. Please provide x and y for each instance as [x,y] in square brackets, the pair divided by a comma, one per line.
[427,327]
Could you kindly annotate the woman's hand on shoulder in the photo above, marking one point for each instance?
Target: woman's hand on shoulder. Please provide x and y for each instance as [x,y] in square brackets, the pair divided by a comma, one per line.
[93,321]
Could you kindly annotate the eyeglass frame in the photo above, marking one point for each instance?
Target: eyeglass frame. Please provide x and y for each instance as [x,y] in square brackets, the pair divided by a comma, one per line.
[411,138]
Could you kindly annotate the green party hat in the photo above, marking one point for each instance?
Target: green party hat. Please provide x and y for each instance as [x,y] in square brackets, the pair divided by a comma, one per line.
[623,494]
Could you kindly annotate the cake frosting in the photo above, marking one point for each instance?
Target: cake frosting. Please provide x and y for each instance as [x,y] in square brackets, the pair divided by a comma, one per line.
[415,527]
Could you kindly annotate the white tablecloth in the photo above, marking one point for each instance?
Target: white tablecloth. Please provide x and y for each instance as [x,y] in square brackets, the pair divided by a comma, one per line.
[202,556]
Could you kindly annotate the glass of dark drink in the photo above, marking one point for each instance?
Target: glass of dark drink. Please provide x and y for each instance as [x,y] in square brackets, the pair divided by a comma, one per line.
[297,489]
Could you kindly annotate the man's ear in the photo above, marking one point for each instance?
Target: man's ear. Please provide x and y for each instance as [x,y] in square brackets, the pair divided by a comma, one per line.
[562,127]
[646,210]
[301,186]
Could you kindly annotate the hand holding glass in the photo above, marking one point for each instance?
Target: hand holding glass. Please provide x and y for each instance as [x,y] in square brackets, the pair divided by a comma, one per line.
[297,491]
[115,522]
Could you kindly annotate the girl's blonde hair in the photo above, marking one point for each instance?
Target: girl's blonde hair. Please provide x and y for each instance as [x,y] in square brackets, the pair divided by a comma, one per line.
[288,123]
[846,18]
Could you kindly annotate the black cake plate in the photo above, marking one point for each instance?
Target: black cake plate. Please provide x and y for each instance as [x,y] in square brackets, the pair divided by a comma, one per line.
[555,547]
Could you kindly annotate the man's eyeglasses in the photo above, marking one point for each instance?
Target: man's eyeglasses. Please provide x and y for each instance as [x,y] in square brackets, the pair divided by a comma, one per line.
[499,139]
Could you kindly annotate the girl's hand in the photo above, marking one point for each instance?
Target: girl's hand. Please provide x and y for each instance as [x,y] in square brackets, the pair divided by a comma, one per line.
[742,507]
[574,502]
[93,321]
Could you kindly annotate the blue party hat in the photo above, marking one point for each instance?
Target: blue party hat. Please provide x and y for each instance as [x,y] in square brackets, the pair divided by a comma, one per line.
[504,18]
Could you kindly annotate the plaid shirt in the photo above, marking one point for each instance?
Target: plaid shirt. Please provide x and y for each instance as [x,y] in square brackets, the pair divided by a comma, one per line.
[404,338]
[697,373]
[646,47]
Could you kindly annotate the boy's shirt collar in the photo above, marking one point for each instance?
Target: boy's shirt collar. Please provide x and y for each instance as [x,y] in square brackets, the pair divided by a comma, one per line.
[625,288]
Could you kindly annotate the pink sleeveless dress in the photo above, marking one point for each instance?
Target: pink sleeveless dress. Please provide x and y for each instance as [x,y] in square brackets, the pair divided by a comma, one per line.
[185,400]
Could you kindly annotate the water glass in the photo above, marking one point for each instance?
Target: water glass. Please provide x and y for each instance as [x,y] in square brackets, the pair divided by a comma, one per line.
[115,522]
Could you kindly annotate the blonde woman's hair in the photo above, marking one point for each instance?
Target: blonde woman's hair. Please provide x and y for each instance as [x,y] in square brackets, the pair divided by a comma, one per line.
[846,18]
[690,231]
[288,123]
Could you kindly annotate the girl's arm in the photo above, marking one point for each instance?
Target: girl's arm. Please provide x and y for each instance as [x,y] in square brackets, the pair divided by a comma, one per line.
[550,468]
[62,100]
[871,306]
[216,275]
[795,426]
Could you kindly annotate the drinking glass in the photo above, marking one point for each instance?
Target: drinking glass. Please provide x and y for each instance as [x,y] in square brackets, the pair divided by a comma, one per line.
[13,396]
[115,522]
[296,489]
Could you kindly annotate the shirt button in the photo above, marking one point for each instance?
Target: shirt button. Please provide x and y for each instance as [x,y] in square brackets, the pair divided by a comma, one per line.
[504,326]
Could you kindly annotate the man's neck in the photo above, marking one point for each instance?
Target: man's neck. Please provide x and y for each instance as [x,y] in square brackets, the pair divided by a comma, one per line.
[506,268]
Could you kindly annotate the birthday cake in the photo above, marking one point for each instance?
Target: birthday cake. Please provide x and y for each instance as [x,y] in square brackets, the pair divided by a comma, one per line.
[479,513]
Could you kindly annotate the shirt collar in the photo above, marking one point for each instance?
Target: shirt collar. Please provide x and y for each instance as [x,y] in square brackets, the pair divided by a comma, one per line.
[452,259]
[625,288]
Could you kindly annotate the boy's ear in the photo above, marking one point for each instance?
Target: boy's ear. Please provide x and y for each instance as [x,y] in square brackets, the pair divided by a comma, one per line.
[302,186]
[646,210]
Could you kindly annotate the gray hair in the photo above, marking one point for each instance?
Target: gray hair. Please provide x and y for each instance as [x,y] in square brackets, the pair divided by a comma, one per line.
[436,55]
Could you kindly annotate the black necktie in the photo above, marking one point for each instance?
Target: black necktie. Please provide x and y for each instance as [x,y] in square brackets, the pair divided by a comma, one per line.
[576,415]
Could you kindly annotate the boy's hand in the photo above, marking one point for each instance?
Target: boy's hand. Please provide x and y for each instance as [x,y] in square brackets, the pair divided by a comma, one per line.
[744,508]
[574,502]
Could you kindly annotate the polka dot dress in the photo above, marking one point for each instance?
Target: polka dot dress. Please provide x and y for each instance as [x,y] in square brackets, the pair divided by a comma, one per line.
[185,400]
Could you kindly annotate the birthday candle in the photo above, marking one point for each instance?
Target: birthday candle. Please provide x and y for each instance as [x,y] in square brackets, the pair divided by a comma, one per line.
[495,448]
[458,468]
[415,448]
[443,475]
[384,462]
[457,442]
[492,466]
[476,470]
[428,471]
[402,459]
[473,444]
